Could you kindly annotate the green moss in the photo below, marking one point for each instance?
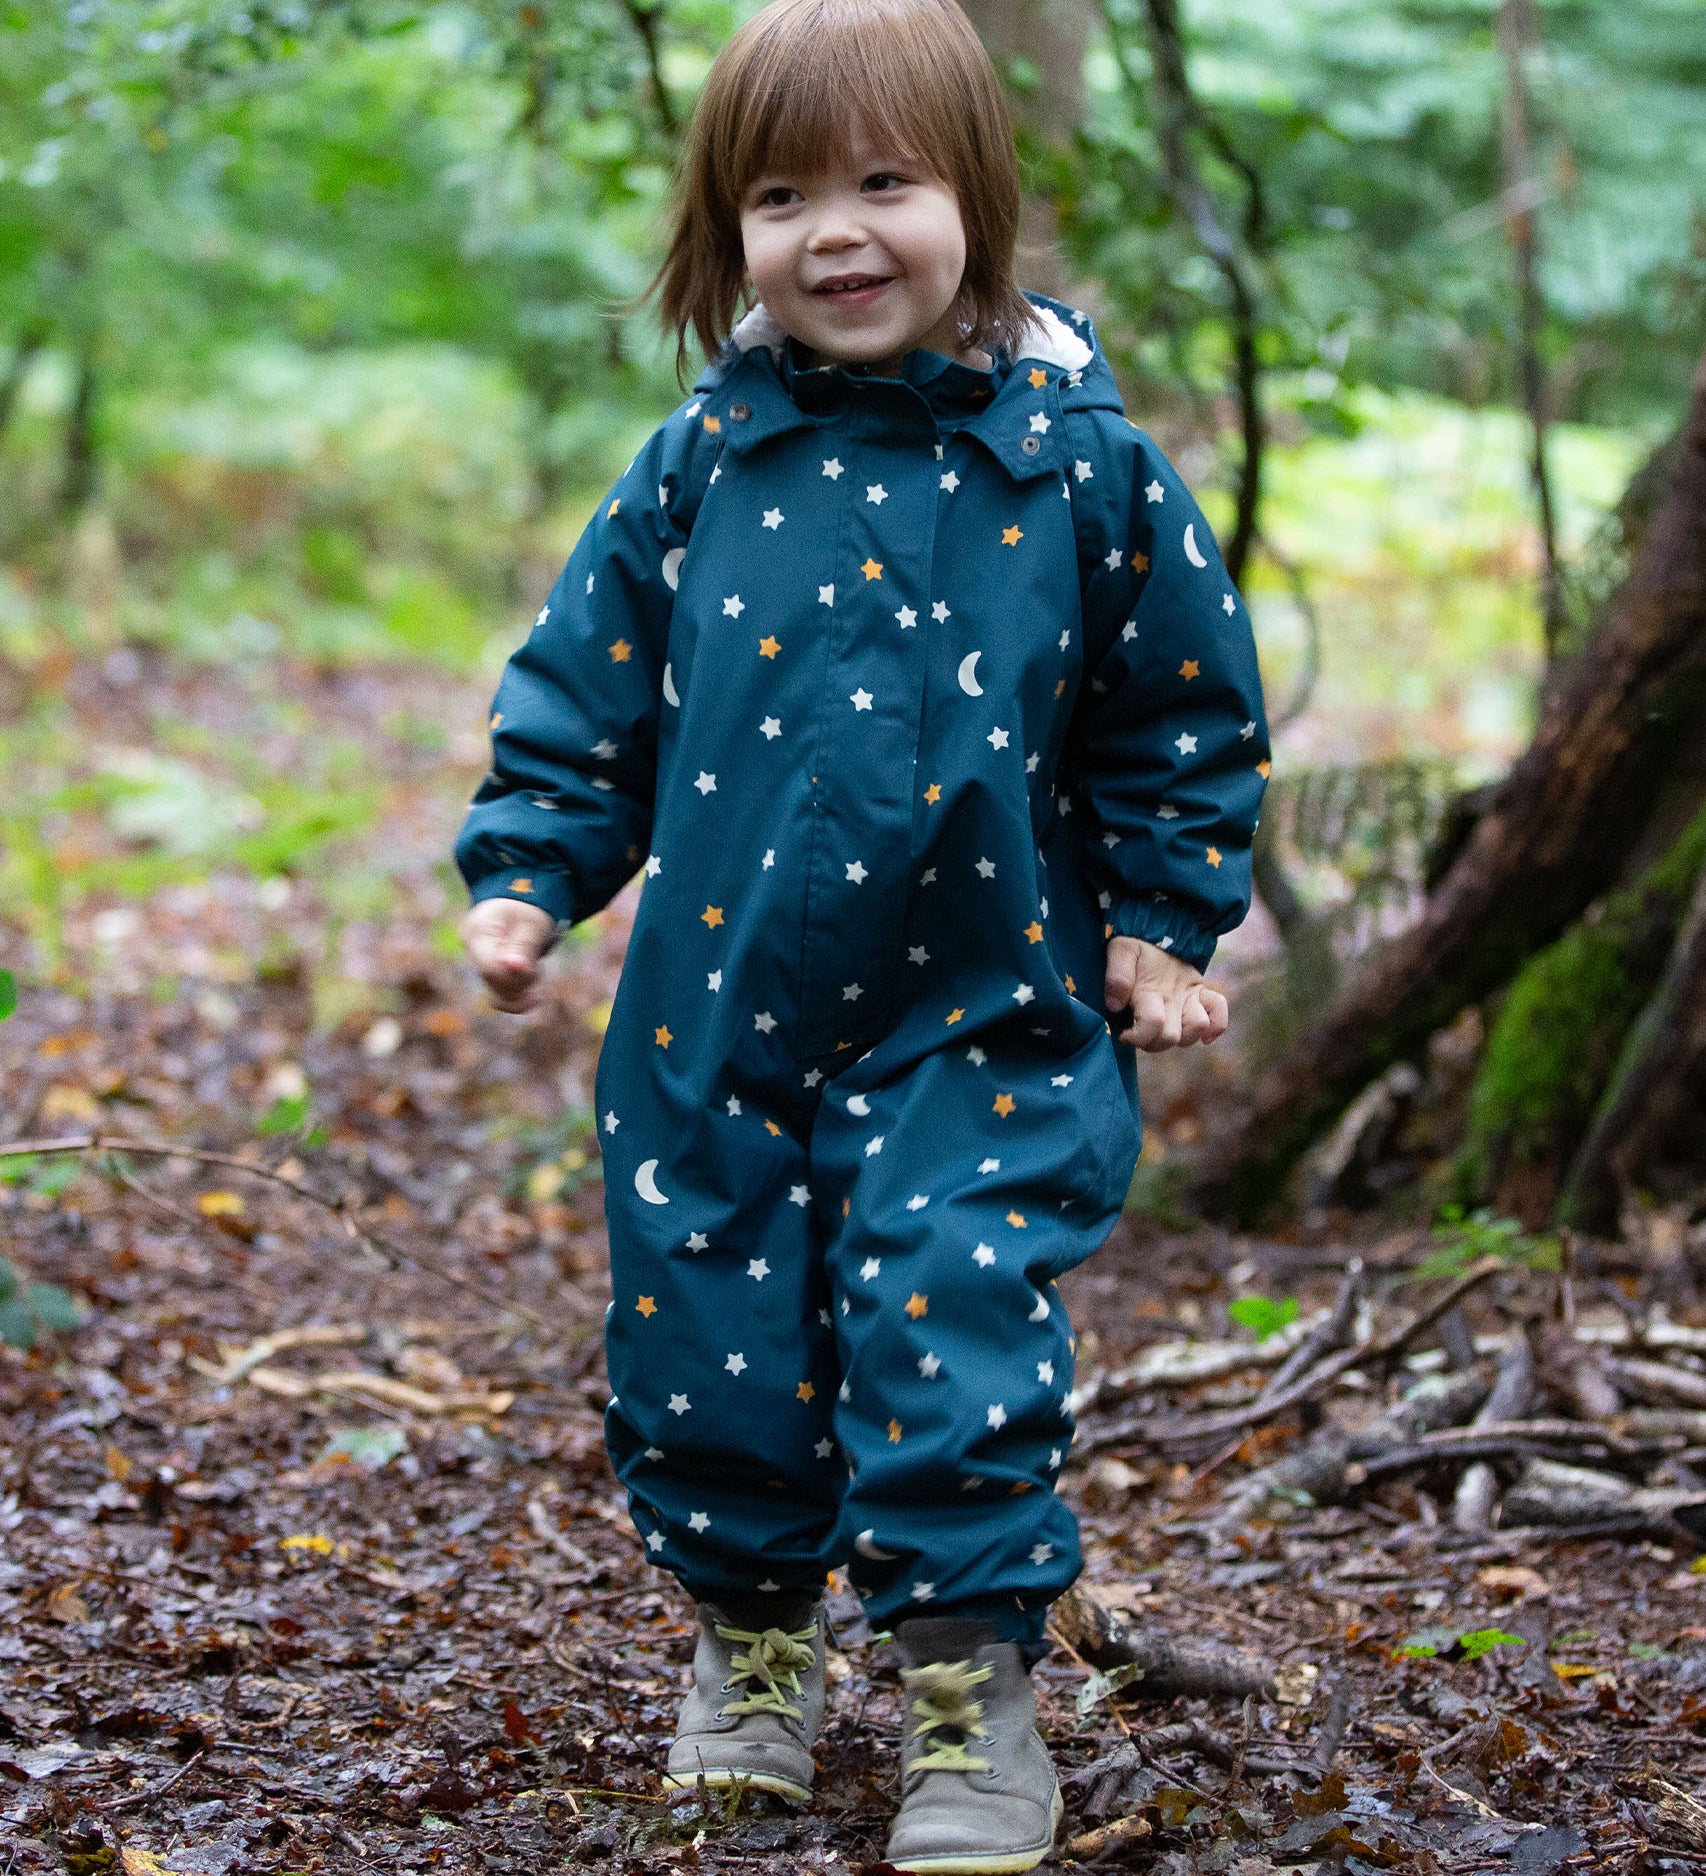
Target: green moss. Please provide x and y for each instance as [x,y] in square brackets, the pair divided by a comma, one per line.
[1563,1022]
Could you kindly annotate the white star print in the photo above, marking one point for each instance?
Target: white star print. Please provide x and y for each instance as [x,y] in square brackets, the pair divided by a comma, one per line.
[997,1416]
[1167,813]
[876,494]
[984,1255]
[611,1123]
[870,1267]
[929,1366]
[851,993]
[736,1364]
[654,866]
[1024,994]
[997,739]
[1154,492]
[1111,840]
[773,518]
[1248,730]
[824,1449]
[1045,1372]
[873,1146]
[693,409]
[976,1056]
[1055,1456]
[1185,743]
[986,868]
[1229,605]
[1166,944]
[1082,470]
[697,1241]
[918,1201]
[545,610]
[1060,1081]
[1039,423]
[861,699]
[771,728]
[733,606]
[654,1540]
[604,749]
[769,859]
[939,612]
[973,1483]
[716,470]
[918,954]
[844,1393]
[1031,764]
[1040,1313]
[989,1165]
[654,1453]
[1130,631]
[927,877]
[679,1403]
[707,783]
[907,617]
[856,872]
[922,1592]
[813,1077]
[1065,639]
[950,481]
[826,595]
[764,1022]
[758,1270]
[713,980]
[701,1521]
[799,1195]
[1040,1553]
[1113,559]
[734,1107]
[831,467]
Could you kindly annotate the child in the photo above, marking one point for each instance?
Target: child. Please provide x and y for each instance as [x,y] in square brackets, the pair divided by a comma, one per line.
[908,671]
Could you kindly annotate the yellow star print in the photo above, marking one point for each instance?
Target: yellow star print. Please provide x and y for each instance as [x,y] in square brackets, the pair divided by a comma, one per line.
[712,916]
[661,1036]
[1071,987]
[1038,377]
[1190,669]
[895,1431]
[497,718]
[1004,1105]
[646,1306]
[933,793]
[1016,1220]
[1140,563]
[713,424]
[805,1391]
[1264,768]
[955,1015]
[621,651]
[917,1306]
[1034,932]
[1011,537]
[521,885]
[872,569]
[768,647]
[771,1128]
[613,506]
[1213,856]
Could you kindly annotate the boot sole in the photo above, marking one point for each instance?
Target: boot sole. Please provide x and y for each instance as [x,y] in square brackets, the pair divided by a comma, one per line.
[984,1862]
[721,1777]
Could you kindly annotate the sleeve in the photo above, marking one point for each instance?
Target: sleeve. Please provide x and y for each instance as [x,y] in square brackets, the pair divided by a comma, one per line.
[564,815]
[1169,751]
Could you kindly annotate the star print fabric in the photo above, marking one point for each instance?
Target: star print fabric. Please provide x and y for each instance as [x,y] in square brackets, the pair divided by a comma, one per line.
[821,667]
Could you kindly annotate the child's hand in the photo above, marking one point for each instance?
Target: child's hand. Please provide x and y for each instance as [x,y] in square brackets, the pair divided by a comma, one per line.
[506,939]
[1170,1003]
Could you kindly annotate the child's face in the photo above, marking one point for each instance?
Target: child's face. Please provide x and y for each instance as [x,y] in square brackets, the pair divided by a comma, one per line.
[859,261]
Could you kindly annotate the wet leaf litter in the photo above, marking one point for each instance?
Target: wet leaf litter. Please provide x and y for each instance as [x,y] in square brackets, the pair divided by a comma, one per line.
[310,1558]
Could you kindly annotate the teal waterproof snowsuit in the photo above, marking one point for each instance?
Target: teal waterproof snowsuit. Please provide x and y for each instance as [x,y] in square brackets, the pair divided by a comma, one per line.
[906,694]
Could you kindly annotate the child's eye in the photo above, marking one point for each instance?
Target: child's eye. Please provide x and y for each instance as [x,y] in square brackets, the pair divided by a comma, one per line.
[883,182]
[777,195]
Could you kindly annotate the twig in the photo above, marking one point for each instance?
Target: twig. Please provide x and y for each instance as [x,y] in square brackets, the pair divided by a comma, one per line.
[543,1527]
[154,1791]
[1326,1335]
[339,1208]
[1098,1842]
[1332,1735]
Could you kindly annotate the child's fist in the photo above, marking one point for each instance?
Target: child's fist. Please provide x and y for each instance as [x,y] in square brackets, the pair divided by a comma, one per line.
[1171,1005]
[506,938]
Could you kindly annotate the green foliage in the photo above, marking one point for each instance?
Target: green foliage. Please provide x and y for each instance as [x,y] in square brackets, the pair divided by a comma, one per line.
[370,1448]
[1263,1315]
[8,994]
[28,1310]
[45,1174]
[1464,1644]
[1463,1237]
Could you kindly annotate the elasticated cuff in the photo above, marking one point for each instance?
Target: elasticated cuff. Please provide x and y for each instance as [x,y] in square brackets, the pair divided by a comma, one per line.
[551,892]
[1164,923]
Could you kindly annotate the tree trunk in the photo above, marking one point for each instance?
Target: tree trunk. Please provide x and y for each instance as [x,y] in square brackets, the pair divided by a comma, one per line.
[81,462]
[1554,836]
[29,347]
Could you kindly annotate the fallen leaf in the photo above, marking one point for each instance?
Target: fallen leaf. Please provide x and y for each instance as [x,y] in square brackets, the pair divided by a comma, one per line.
[220,1205]
[1512,1580]
[143,1863]
[65,1101]
[1294,1684]
[65,1604]
[316,1541]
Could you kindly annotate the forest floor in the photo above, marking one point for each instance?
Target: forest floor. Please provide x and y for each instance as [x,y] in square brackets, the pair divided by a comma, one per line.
[370,1600]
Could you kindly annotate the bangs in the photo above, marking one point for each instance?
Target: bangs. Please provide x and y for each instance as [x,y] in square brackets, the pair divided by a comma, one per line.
[826,74]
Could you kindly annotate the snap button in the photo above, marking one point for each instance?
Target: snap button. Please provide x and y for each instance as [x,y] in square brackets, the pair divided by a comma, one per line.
[740,412]
[1030,444]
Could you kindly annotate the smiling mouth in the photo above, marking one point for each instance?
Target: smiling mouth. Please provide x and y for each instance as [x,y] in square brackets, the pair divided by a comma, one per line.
[852,283]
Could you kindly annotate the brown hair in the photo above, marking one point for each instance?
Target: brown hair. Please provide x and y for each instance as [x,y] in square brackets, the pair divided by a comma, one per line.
[805,75]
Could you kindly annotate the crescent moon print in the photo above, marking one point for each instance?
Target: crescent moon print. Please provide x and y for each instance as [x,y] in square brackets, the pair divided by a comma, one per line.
[968,674]
[858,1104]
[865,1544]
[1193,553]
[669,695]
[672,567]
[645,1183]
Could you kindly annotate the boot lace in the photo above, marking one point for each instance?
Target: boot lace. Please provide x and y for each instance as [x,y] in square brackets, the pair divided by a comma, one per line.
[775,1659]
[944,1702]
